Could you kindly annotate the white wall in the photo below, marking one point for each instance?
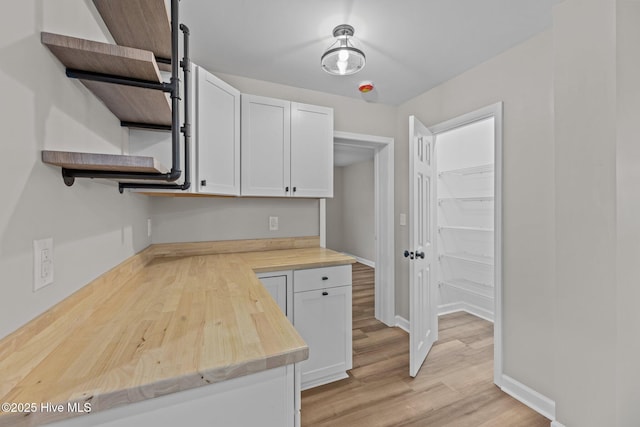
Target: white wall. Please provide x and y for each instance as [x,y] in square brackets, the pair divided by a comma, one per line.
[628,213]
[359,210]
[178,219]
[93,226]
[597,106]
[351,212]
[522,78]
[335,212]
[585,129]
[467,146]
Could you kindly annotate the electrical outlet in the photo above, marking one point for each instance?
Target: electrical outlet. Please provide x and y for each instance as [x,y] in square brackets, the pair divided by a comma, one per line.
[148,227]
[273,223]
[403,219]
[42,263]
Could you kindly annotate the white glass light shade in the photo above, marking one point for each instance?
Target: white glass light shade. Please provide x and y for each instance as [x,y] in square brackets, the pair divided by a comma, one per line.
[342,58]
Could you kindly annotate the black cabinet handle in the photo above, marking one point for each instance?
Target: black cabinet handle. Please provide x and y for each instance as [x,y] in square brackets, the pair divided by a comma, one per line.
[325,278]
[419,254]
[286,189]
[408,254]
[203,183]
[325,293]
[294,189]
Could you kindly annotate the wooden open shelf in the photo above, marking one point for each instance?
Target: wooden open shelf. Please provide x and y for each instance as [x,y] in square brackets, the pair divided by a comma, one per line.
[142,24]
[103,162]
[126,78]
[128,103]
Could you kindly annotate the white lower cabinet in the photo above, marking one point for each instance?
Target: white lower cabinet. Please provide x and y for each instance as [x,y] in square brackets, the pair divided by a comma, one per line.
[280,286]
[322,316]
[318,303]
[268,399]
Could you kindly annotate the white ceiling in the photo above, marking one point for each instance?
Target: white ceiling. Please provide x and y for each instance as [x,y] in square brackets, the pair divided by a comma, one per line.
[345,155]
[411,45]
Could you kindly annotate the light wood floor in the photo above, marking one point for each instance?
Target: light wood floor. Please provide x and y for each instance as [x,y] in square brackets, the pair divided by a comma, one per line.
[454,388]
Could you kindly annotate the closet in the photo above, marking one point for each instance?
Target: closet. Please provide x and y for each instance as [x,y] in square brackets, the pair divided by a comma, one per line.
[465,219]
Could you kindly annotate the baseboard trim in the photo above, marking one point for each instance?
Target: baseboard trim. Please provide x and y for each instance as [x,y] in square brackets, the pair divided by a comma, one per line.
[534,400]
[556,424]
[316,382]
[364,261]
[464,306]
[402,323]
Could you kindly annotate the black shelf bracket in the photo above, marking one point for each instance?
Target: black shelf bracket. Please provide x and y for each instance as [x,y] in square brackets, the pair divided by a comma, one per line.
[173,87]
[161,60]
[146,126]
[117,80]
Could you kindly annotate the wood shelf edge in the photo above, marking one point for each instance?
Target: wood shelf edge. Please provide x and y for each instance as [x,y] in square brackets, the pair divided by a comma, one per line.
[102,162]
[104,58]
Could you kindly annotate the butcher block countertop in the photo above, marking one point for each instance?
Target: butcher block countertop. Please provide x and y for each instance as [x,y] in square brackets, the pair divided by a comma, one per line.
[171,318]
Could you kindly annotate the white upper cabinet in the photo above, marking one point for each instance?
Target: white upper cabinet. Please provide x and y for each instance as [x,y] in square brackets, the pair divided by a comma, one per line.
[311,150]
[287,148]
[266,146]
[215,139]
[218,136]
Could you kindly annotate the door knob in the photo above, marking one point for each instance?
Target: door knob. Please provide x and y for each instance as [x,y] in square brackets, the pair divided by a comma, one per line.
[408,254]
[419,254]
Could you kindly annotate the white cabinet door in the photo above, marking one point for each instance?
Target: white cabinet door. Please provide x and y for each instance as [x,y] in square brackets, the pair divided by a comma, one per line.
[287,148]
[217,133]
[215,139]
[323,319]
[266,146]
[280,287]
[311,151]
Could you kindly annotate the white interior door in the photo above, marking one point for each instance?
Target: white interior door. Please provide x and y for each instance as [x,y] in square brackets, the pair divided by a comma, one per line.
[423,330]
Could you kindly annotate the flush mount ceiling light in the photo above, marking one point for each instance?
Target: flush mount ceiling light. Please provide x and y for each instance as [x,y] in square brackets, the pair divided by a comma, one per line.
[342,57]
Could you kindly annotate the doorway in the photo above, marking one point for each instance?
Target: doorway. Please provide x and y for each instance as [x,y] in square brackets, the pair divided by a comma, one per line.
[465,219]
[468,221]
[381,148]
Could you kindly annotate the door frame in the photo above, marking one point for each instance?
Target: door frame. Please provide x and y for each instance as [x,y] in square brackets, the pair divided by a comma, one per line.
[383,162]
[495,111]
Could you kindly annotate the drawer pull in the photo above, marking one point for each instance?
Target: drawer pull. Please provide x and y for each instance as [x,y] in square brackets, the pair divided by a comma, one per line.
[325,293]
[325,278]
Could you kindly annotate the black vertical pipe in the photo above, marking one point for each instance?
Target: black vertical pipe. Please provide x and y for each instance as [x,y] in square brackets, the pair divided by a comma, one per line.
[175,93]
[174,88]
[186,130]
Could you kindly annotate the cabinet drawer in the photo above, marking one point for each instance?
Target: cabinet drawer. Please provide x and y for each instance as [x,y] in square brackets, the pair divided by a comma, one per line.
[321,278]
